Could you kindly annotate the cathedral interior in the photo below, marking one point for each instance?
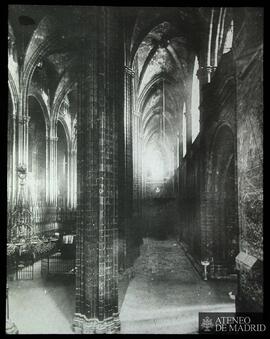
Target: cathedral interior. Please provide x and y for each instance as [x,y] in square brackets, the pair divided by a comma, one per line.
[134,167]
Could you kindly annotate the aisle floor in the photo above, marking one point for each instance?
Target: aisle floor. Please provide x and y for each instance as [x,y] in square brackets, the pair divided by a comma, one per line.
[42,306]
[167,293]
[165,296]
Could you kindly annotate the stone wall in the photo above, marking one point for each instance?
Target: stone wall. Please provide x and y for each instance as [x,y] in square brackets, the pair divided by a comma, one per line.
[202,170]
[232,100]
[248,54]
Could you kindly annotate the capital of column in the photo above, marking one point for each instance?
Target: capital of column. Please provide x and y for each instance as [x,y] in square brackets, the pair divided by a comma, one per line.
[129,71]
[50,138]
[205,70]
[11,41]
[23,119]
[136,114]
[13,116]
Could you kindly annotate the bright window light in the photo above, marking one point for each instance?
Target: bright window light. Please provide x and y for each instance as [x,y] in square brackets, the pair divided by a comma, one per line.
[229,39]
[184,131]
[154,164]
[195,102]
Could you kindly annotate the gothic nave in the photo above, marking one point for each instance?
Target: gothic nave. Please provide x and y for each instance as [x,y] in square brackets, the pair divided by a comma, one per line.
[134,167]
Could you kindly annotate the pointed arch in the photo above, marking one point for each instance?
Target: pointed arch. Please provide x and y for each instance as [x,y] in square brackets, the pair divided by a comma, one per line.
[34,92]
[62,120]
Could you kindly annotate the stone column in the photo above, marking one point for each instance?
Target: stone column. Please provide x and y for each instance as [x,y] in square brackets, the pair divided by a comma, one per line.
[71,174]
[73,178]
[20,139]
[11,328]
[22,129]
[23,139]
[136,163]
[9,157]
[180,137]
[47,176]
[175,163]
[129,76]
[204,75]
[26,120]
[127,180]
[140,168]
[69,178]
[53,169]
[97,159]
[13,165]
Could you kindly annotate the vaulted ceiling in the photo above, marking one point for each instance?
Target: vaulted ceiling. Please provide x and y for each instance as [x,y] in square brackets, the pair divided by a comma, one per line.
[162,44]
[164,62]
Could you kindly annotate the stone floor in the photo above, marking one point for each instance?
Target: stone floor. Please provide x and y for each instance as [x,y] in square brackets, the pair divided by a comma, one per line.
[42,306]
[165,296]
[167,293]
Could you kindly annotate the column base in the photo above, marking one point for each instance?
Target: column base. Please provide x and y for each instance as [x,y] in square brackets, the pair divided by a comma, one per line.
[83,325]
[11,328]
